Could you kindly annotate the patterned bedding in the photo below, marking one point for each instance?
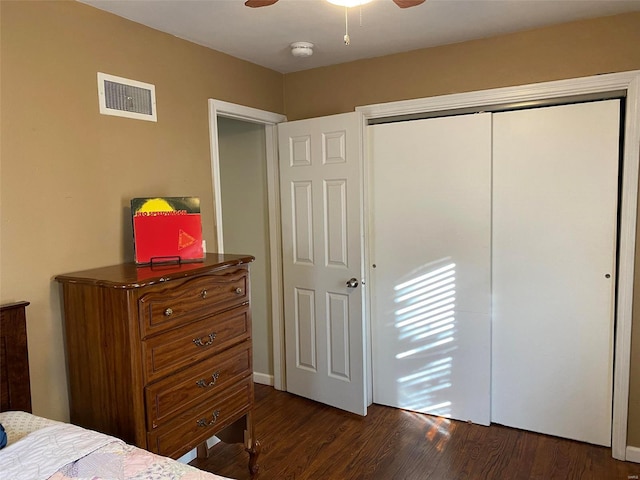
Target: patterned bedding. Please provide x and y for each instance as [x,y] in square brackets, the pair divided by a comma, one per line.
[42,449]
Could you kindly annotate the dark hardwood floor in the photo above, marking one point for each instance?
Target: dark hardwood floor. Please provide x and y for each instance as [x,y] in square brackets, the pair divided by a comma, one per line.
[302,439]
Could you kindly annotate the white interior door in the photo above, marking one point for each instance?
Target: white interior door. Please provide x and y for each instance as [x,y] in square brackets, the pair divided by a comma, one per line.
[554,241]
[321,196]
[430,254]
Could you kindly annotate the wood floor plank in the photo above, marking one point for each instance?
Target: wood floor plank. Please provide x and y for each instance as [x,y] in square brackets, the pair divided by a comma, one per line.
[305,440]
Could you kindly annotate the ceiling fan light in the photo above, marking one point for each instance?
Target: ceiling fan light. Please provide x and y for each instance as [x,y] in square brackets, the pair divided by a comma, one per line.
[349,3]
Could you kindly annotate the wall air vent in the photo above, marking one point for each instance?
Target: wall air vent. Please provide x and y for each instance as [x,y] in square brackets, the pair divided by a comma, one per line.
[126,98]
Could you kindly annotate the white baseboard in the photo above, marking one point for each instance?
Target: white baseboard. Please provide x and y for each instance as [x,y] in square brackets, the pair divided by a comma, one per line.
[187,457]
[192,454]
[633,454]
[263,378]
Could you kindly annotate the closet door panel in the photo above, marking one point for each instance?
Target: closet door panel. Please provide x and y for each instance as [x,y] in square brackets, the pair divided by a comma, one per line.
[430,244]
[554,240]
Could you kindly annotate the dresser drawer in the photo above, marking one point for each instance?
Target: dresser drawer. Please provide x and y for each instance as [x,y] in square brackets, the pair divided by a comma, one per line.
[163,307]
[195,384]
[194,342]
[195,425]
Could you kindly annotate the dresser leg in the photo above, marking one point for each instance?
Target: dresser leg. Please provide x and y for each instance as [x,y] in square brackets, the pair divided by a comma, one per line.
[203,450]
[254,453]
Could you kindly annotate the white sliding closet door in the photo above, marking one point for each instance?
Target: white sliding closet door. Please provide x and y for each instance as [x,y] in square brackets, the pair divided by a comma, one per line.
[554,241]
[430,244]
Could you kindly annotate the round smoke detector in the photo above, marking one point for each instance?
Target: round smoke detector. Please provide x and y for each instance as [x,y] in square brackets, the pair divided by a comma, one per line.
[302,49]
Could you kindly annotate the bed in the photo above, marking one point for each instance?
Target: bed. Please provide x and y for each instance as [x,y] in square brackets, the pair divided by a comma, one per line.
[40,448]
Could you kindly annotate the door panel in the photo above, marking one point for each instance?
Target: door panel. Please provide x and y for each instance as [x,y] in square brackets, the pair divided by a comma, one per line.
[320,181]
[554,243]
[305,330]
[302,219]
[430,244]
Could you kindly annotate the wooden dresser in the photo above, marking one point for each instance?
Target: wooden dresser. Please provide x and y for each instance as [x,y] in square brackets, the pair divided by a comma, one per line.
[161,356]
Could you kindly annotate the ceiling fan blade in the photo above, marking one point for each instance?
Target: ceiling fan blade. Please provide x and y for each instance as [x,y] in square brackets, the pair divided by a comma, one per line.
[408,3]
[259,3]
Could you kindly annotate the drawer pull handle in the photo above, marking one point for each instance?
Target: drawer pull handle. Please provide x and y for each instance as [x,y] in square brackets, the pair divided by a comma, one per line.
[200,343]
[203,422]
[168,312]
[202,383]
[203,294]
[239,291]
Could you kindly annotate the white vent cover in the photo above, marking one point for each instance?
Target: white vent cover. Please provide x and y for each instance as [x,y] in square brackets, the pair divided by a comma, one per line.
[126,98]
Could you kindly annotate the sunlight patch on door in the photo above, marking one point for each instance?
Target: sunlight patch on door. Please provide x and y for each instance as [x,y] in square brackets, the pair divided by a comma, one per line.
[425,322]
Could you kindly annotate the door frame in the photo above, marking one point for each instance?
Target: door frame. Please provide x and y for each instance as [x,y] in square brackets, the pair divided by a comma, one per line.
[599,87]
[219,108]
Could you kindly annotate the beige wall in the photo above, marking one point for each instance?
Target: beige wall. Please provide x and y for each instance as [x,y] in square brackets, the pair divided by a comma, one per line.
[68,173]
[577,49]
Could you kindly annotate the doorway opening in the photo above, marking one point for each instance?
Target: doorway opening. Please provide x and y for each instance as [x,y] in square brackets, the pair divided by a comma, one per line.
[247,216]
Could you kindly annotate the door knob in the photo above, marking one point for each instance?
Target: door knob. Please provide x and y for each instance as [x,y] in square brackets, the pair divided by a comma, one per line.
[352,282]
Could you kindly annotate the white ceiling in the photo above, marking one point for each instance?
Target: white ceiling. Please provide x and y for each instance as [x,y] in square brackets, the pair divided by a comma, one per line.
[263,35]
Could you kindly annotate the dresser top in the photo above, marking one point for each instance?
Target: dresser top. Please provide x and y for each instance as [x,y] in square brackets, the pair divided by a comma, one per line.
[130,275]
